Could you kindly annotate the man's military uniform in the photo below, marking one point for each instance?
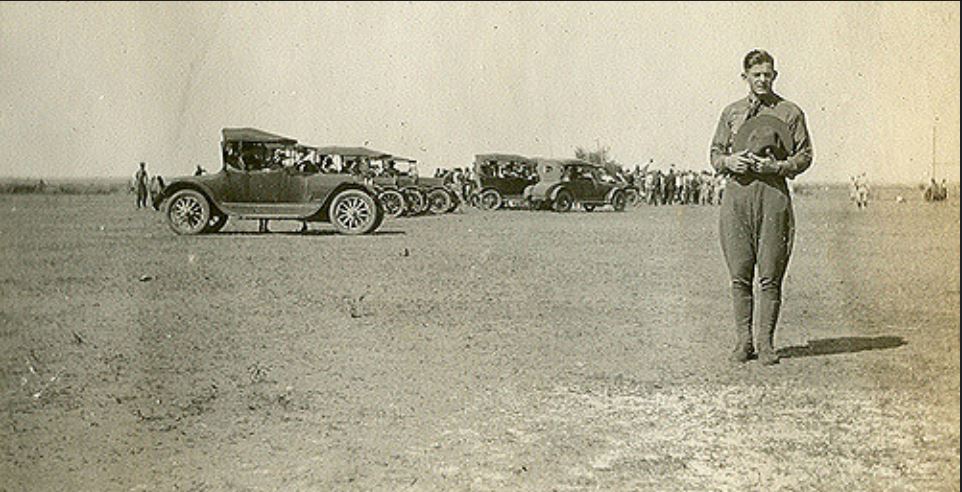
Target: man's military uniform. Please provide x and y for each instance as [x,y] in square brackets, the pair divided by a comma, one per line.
[756,219]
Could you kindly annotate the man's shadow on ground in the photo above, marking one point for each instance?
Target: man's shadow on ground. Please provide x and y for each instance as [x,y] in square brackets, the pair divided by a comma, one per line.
[841,345]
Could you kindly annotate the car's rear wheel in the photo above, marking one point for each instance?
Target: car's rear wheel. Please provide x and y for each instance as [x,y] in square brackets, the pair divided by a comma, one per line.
[439,201]
[393,203]
[188,212]
[354,212]
[416,201]
[632,197]
[490,200]
[618,201]
[563,201]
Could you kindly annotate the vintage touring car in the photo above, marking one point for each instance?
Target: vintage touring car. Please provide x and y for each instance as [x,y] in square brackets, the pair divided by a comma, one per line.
[269,177]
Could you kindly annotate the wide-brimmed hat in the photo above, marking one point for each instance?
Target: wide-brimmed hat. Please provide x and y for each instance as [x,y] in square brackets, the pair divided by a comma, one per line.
[764,135]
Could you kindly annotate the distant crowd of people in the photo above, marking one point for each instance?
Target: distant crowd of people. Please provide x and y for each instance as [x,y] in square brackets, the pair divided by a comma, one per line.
[674,187]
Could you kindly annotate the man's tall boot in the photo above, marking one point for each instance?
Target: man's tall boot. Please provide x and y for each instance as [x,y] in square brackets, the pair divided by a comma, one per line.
[742,302]
[767,320]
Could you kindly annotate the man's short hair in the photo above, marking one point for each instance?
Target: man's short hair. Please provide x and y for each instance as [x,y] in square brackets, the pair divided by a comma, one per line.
[757,57]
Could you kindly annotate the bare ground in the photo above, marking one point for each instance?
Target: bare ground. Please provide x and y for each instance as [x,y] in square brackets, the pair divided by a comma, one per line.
[473,351]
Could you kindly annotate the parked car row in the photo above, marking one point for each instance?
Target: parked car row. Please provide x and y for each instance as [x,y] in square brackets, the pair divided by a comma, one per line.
[400,188]
[270,177]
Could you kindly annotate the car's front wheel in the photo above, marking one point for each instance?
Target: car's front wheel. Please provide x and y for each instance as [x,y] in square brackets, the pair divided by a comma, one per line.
[393,203]
[618,201]
[563,201]
[416,202]
[354,212]
[439,202]
[188,212]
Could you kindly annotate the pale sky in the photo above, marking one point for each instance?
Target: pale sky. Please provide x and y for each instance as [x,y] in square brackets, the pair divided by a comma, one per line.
[90,90]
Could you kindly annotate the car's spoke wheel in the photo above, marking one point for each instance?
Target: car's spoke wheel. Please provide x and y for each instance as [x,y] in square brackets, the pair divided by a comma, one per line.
[353,212]
[393,203]
[439,201]
[188,212]
[416,202]
[563,201]
[490,200]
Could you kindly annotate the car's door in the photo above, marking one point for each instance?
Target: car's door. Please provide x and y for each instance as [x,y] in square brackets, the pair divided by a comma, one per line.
[235,188]
[307,185]
[267,185]
[603,182]
[580,183]
[279,181]
[286,191]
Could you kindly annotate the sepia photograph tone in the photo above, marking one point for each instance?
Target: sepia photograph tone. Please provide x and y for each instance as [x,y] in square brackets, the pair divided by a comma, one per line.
[479,246]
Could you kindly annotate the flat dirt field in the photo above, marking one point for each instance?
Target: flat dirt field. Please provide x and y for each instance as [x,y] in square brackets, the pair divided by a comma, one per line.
[508,350]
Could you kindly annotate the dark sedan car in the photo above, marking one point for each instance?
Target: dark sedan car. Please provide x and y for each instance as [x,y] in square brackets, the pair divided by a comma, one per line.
[500,179]
[566,181]
[267,176]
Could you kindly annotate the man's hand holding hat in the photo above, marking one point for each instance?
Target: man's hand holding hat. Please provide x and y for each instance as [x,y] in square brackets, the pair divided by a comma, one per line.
[740,162]
[767,165]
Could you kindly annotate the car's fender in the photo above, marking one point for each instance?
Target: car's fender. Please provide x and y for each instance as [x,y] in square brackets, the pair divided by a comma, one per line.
[609,197]
[176,185]
[539,191]
[553,191]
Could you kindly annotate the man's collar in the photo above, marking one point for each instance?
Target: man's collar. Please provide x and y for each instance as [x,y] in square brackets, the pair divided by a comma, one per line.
[767,100]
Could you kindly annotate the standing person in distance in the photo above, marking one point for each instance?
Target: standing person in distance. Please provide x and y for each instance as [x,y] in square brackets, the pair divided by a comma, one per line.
[141,181]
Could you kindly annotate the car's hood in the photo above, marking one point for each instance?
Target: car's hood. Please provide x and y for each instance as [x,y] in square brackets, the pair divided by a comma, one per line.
[202,179]
[432,182]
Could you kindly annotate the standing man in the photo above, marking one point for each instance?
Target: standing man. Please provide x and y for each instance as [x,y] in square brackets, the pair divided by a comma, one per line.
[668,187]
[760,141]
[141,180]
[861,191]
[653,186]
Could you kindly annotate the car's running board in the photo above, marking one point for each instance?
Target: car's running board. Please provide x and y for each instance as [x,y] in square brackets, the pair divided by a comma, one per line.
[270,210]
